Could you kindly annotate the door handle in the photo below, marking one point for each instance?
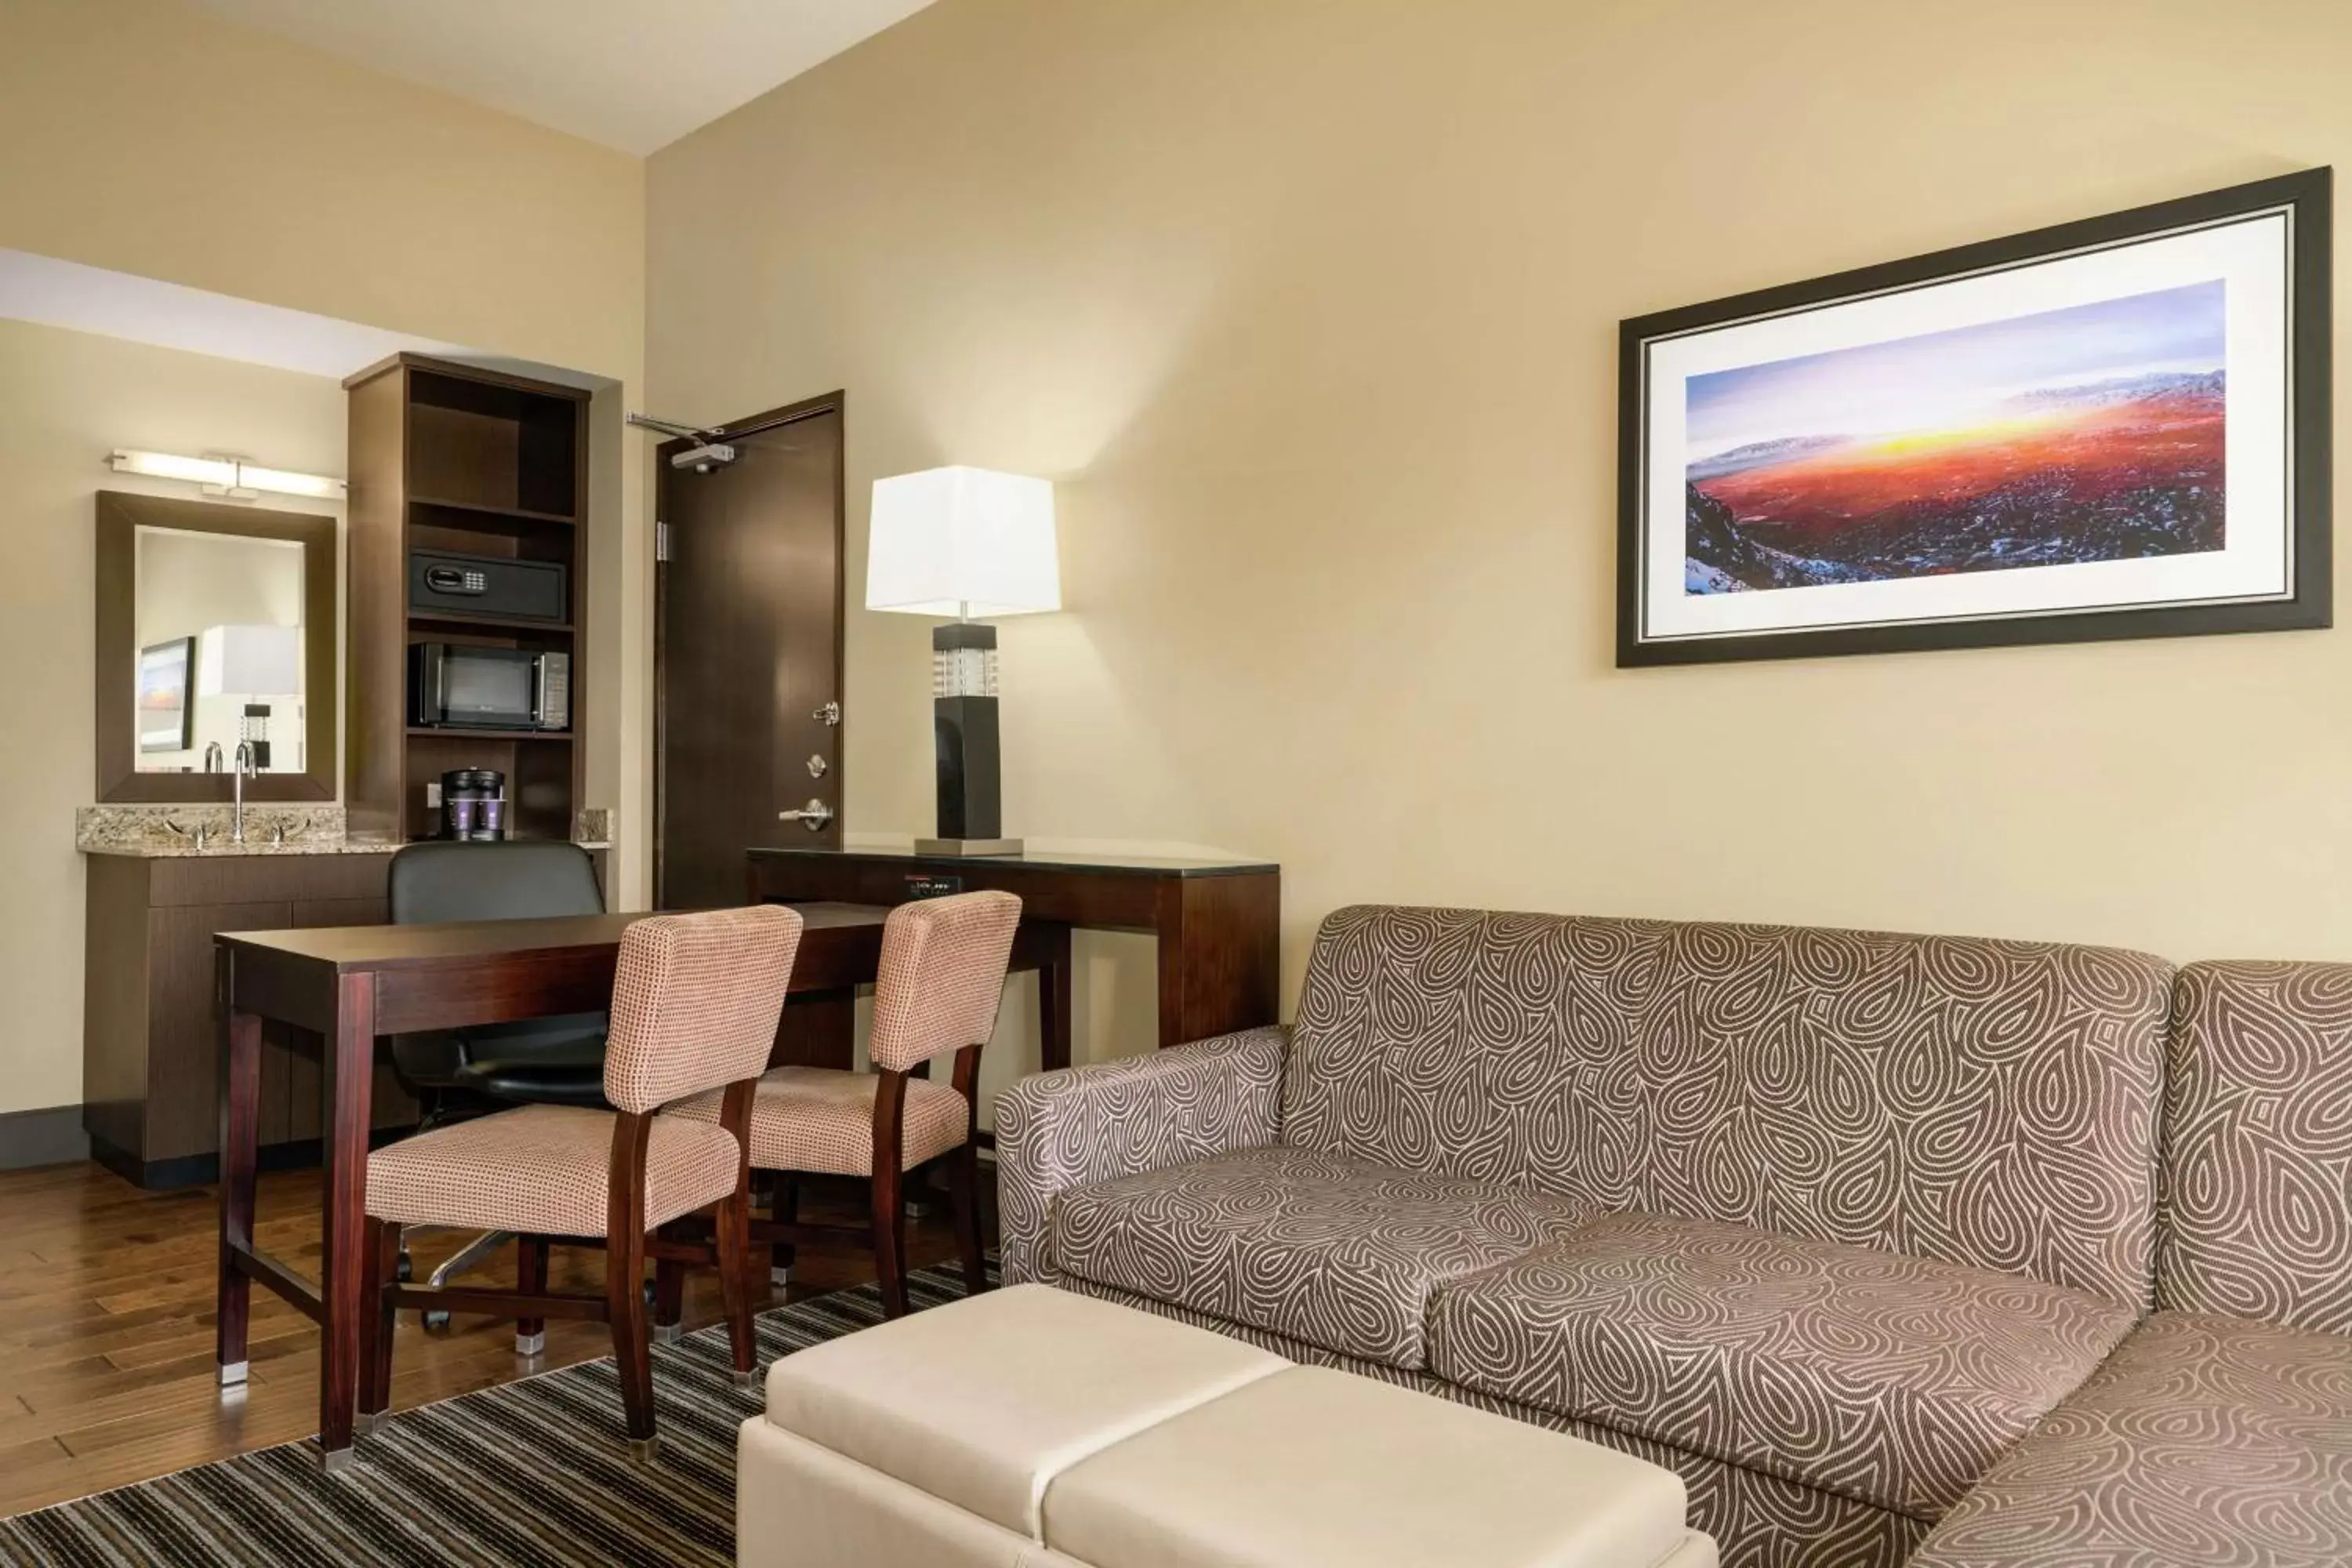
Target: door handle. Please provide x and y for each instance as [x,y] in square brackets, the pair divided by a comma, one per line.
[812,816]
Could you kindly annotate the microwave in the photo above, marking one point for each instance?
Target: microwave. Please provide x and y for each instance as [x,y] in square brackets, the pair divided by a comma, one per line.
[454,686]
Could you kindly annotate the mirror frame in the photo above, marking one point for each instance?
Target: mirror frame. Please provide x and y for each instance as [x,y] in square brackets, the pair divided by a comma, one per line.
[120,515]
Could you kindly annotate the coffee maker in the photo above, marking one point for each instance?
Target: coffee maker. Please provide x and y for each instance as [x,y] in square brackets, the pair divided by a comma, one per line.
[474,804]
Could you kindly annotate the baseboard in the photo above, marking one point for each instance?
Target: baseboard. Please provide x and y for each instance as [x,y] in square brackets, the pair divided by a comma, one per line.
[196,1170]
[51,1137]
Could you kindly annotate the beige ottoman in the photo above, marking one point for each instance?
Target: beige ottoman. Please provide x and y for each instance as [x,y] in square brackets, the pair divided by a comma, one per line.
[1029,1426]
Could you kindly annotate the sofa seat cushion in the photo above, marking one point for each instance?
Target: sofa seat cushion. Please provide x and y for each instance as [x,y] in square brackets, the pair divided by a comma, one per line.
[1339,1253]
[2203,1442]
[1891,1380]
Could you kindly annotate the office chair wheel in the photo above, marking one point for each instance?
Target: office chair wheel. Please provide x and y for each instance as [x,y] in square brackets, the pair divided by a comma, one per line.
[437,1320]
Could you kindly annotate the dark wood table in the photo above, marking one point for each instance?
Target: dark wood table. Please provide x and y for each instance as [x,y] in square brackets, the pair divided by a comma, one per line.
[1218,922]
[351,985]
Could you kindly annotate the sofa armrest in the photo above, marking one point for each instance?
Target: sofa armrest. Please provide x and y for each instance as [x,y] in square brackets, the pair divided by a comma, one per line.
[1070,1129]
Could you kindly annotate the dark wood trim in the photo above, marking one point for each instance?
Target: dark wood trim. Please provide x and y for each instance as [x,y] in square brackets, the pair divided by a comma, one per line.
[1106,867]
[202,1169]
[459,371]
[2306,193]
[240,1140]
[381,1251]
[889,1224]
[625,1271]
[1218,922]
[538,1304]
[1055,1008]
[964,1173]
[733,1241]
[297,1292]
[119,517]
[349,1077]
[408,437]
[531,1279]
[51,1136]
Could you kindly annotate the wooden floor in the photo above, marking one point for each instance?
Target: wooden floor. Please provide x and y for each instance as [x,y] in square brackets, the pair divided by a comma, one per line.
[105,1326]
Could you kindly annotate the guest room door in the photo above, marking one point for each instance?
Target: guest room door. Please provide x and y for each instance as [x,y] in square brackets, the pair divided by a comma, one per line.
[747,652]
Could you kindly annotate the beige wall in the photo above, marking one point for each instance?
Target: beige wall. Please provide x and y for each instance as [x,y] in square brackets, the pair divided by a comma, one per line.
[143,136]
[1310,307]
[65,400]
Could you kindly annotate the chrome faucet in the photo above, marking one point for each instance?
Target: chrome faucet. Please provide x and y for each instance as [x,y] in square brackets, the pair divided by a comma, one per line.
[212,756]
[236,786]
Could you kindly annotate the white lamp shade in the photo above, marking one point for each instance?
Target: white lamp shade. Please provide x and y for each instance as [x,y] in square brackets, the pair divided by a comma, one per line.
[250,661]
[962,541]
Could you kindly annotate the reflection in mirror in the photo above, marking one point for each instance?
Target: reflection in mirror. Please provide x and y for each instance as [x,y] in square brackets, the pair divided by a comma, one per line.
[219,658]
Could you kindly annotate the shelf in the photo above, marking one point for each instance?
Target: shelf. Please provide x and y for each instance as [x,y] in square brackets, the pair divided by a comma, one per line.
[503,513]
[497,623]
[463,733]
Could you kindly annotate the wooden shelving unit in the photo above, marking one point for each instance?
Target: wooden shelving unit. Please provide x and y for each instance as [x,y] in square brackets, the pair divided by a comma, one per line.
[448,456]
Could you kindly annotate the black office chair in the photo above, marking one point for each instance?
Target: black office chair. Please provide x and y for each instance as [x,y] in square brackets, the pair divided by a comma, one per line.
[538,1061]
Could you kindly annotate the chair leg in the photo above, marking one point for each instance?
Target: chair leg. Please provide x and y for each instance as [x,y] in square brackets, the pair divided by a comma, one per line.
[890,1240]
[733,1245]
[783,1208]
[625,1302]
[890,1197]
[530,1278]
[379,1271]
[670,1301]
[964,1186]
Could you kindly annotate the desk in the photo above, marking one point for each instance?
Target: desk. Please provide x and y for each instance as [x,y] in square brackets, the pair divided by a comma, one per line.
[349,985]
[1218,922]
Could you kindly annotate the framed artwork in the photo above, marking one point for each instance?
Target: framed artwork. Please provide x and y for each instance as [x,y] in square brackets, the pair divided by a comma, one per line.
[167,719]
[2112,428]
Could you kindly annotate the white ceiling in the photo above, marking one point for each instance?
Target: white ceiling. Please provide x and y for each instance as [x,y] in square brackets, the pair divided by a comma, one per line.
[632,74]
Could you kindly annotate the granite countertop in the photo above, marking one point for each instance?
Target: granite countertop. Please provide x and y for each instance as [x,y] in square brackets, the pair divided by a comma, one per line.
[168,832]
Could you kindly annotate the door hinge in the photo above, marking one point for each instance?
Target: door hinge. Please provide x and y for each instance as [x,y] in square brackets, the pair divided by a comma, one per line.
[661,542]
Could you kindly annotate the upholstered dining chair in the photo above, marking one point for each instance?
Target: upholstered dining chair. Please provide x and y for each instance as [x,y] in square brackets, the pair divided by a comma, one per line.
[936,992]
[696,1000]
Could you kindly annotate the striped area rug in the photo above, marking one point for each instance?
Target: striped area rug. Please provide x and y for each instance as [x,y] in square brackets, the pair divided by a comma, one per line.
[531,1473]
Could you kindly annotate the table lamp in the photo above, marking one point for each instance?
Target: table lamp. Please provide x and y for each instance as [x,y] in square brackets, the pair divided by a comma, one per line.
[965,544]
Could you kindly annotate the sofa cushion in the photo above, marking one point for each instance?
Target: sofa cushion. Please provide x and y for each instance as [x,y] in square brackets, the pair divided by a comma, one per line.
[2204,1442]
[2258,1132]
[1988,1103]
[1337,1252]
[1891,1380]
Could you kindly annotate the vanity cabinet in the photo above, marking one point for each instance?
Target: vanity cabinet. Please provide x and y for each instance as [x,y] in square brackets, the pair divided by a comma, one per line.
[151,1038]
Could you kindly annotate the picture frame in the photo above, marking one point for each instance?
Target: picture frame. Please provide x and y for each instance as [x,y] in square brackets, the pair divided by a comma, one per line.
[167,717]
[2117,428]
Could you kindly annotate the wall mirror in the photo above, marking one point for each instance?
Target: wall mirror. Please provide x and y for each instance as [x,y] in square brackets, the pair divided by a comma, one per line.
[216,631]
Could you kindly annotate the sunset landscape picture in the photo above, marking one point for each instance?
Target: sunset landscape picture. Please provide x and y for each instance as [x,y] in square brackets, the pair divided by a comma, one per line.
[2088,434]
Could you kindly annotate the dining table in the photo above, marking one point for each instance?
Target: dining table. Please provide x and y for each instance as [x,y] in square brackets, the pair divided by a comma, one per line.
[348,988]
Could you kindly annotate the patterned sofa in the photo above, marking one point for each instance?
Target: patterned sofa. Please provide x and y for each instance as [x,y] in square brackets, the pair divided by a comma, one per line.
[2220,1433]
[1827,1221]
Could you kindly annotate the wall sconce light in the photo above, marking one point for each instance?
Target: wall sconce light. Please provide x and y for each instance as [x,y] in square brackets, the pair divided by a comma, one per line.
[231,477]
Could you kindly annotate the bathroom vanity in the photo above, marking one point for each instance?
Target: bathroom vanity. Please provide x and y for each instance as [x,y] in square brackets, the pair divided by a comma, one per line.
[151,1051]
